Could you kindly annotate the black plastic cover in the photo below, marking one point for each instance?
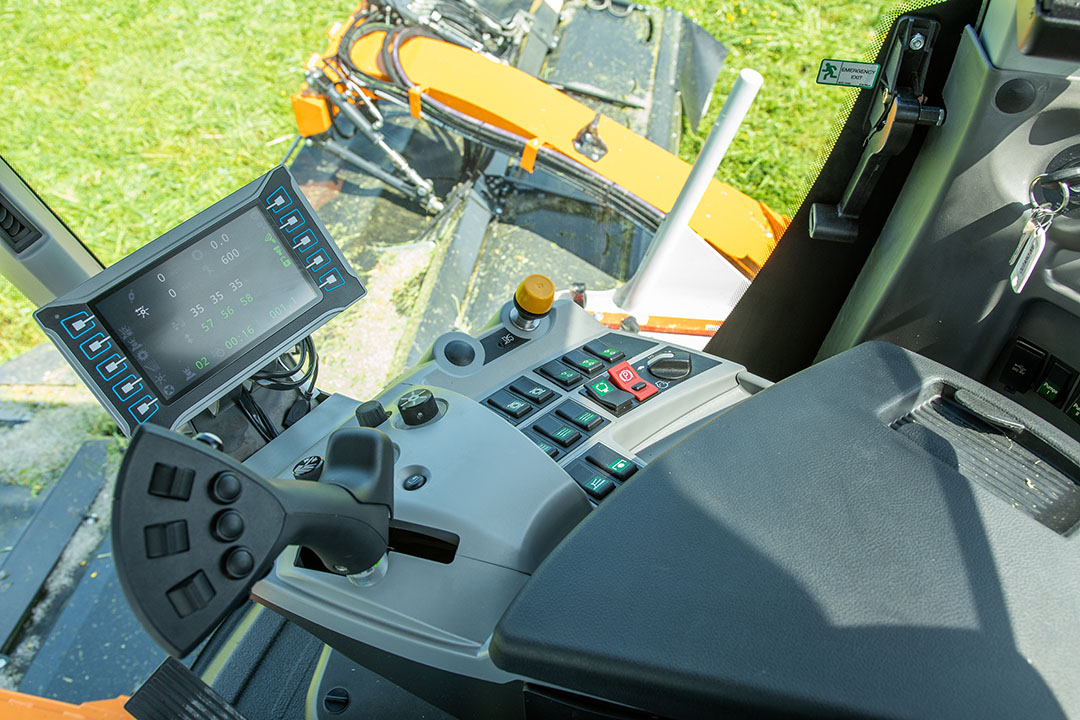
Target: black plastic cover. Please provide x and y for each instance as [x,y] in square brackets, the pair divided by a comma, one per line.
[799,555]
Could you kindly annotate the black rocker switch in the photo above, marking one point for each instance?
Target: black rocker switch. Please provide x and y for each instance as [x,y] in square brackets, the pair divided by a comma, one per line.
[192,536]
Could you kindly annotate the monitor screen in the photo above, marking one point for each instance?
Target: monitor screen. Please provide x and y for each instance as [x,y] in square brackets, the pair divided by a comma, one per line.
[186,316]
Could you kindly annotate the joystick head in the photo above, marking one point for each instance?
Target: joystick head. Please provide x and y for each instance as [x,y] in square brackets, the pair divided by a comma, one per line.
[535,295]
[532,302]
[193,529]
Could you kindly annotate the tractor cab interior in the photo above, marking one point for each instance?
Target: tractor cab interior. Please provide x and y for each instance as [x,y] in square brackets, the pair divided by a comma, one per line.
[832,470]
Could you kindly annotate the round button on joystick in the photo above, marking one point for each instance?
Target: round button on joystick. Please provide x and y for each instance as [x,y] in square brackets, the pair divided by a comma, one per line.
[225,487]
[228,526]
[417,407]
[238,563]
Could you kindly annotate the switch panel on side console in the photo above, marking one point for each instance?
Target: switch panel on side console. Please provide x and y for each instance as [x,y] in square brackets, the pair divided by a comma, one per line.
[1038,366]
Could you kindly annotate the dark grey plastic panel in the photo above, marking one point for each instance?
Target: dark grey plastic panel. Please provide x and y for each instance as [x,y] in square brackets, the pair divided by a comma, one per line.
[797,554]
[937,281]
[54,263]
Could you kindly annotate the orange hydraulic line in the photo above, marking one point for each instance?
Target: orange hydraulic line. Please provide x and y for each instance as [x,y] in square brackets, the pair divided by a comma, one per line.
[662,324]
[18,706]
[739,227]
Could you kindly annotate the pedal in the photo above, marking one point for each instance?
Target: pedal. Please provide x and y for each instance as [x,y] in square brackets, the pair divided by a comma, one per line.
[173,691]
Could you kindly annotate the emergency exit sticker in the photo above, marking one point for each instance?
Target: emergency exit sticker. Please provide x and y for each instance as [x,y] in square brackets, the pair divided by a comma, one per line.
[847,73]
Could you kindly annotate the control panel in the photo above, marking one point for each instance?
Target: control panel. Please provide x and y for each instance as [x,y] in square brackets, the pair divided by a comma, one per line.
[503,443]
[561,404]
[162,333]
[1039,366]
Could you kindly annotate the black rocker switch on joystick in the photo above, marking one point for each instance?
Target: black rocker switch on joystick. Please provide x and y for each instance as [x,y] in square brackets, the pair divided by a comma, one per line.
[193,529]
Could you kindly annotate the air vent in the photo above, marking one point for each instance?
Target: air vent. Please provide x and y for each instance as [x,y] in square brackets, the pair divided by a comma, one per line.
[14,229]
[1014,470]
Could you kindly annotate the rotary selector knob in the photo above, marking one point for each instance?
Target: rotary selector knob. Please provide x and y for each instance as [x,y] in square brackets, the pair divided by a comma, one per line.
[371,414]
[418,407]
[670,365]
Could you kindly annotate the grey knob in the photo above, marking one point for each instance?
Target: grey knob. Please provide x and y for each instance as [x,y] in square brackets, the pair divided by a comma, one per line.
[670,365]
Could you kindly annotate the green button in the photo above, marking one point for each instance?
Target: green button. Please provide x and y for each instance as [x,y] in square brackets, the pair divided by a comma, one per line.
[1049,391]
[588,362]
[564,432]
[609,352]
[567,375]
[619,465]
[1074,411]
[601,387]
[597,482]
[586,417]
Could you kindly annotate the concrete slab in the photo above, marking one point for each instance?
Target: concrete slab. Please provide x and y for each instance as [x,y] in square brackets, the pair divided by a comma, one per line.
[42,365]
[96,649]
[38,547]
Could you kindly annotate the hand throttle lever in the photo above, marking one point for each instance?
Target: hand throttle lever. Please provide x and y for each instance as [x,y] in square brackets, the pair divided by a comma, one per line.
[193,529]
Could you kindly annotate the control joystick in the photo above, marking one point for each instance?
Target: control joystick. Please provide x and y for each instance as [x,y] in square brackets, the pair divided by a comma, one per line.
[193,529]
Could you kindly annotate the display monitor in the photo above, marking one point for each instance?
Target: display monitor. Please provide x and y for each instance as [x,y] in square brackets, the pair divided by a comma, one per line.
[161,334]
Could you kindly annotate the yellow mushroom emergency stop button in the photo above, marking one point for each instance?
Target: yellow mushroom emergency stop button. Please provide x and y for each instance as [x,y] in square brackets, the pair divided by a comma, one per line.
[535,295]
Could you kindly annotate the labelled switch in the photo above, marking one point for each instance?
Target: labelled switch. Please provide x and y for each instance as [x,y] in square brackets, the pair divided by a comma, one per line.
[611,462]
[278,200]
[626,378]
[585,364]
[561,374]
[95,345]
[1073,410]
[560,432]
[111,366]
[143,409]
[610,397]
[584,419]
[304,242]
[1055,386]
[291,221]
[547,447]
[595,483]
[513,406]
[127,386]
[604,351]
[1022,366]
[533,391]
[331,279]
[78,324]
[316,261]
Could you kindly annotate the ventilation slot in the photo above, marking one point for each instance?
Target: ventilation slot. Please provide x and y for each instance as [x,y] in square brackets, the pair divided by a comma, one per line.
[1004,465]
[14,229]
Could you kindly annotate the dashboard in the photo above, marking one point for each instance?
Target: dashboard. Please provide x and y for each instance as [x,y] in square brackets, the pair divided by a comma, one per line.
[538,430]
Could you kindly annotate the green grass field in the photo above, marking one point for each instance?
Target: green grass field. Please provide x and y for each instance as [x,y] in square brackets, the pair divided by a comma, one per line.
[129,116]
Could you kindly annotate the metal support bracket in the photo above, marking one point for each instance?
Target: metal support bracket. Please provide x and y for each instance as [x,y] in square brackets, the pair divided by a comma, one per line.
[889,125]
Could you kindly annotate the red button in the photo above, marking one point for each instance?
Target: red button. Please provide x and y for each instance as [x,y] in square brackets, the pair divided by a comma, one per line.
[625,378]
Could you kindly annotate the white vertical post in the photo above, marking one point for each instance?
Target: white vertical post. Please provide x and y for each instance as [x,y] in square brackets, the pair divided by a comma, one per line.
[668,250]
